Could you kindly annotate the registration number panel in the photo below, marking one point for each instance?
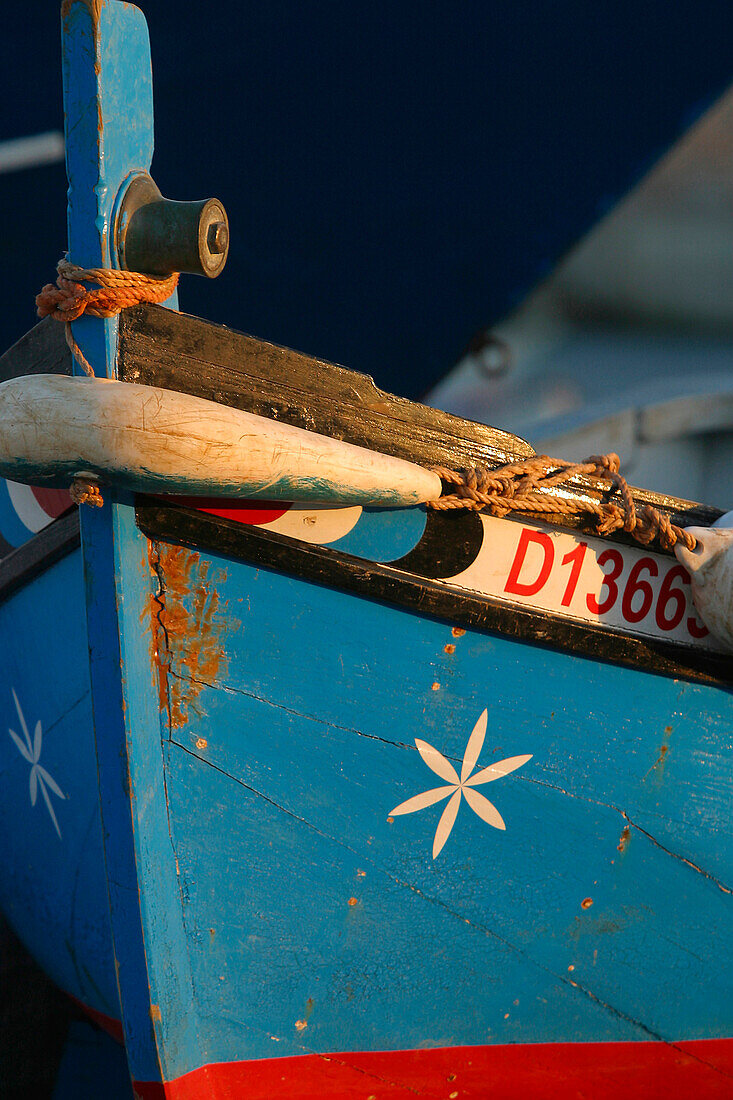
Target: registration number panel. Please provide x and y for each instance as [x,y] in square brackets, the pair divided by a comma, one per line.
[588,580]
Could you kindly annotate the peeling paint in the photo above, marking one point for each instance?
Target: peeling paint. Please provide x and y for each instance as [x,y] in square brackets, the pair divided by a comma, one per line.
[188,628]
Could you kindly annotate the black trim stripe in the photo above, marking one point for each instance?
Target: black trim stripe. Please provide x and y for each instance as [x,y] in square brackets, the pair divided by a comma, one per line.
[33,557]
[389,584]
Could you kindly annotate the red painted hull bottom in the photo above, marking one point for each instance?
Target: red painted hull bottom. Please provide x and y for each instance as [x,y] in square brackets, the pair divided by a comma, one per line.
[699,1070]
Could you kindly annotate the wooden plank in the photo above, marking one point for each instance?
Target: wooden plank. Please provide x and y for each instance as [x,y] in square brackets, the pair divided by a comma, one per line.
[316,912]
[176,351]
[153,440]
[395,584]
[108,106]
[180,352]
[45,548]
[43,350]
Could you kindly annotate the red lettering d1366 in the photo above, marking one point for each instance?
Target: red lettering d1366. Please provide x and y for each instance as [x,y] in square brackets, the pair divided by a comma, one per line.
[530,587]
[600,607]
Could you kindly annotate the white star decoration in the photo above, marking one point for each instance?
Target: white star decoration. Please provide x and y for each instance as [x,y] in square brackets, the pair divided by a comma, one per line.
[463,787]
[31,752]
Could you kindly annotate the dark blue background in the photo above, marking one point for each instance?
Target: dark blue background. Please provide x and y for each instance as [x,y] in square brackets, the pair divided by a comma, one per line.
[397,175]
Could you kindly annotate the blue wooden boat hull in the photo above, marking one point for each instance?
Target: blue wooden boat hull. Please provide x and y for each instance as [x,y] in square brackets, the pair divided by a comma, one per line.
[53,889]
[221,737]
[322,939]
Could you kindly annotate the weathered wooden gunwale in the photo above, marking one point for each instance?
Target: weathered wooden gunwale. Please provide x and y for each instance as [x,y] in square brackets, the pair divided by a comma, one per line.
[427,597]
[176,351]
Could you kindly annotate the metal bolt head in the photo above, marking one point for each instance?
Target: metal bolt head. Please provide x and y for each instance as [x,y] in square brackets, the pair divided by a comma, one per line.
[217,238]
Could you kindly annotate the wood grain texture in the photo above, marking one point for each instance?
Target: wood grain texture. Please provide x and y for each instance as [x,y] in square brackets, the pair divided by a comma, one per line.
[40,552]
[180,352]
[398,585]
[145,438]
[43,350]
[176,351]
[320,922]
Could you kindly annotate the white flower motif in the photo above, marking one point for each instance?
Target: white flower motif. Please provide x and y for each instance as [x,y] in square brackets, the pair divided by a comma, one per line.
[457,788]
[31,752]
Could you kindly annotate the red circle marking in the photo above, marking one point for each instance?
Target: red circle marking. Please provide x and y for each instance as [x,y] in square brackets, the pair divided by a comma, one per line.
[53,501]
[245,511]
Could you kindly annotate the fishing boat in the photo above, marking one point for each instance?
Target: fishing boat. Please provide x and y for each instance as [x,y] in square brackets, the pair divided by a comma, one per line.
[329,770]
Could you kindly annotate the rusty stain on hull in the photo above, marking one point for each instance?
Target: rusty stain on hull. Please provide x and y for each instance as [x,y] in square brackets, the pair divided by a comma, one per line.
[188,628]
[94,8]
[658,765]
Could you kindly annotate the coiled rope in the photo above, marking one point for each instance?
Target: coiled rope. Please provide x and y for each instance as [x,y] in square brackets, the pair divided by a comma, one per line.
[517,487]
[527,486]
[69,299]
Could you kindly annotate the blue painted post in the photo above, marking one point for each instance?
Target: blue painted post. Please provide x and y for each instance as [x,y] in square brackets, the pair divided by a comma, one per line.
[109,138]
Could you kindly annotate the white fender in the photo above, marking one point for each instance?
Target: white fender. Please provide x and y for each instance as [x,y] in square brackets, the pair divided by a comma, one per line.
[54,428]
[710,566]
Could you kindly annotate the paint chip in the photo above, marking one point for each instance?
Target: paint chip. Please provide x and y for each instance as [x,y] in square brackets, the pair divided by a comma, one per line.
[301,1025]
[452,1095]
[586,903]
[201,742]
[450,648]
[458,631]
[571,967]
[353,901]
[436,686]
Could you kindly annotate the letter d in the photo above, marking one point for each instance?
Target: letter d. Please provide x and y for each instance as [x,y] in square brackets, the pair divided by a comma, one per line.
[514,586]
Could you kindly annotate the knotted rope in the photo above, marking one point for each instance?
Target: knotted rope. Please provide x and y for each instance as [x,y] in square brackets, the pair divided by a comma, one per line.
[526,487]
[69,299]
[85,491]
[115,290]
[519,486]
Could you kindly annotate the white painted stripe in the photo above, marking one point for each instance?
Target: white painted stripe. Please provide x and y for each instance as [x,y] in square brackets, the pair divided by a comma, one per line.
[29,510]
[319,525]
[586,579]
[31,152]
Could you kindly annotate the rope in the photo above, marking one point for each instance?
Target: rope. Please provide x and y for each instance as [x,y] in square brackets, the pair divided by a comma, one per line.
[518,486]
[85,491]
[115,291]
[69,299]
[525,487]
